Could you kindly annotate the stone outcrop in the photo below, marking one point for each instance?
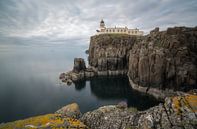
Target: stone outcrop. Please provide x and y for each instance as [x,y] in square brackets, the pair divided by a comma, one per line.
[177,113]
[79,65]
[164,60]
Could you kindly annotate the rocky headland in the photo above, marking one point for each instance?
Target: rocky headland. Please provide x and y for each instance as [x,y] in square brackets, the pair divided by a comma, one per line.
[159,63]
[162,64]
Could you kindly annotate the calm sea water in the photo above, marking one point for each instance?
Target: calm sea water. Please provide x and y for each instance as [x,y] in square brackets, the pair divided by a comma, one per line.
[29,83]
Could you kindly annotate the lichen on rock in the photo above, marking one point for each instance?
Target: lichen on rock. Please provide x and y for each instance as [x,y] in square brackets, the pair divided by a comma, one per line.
[161,116]
[70,110]
[48,121]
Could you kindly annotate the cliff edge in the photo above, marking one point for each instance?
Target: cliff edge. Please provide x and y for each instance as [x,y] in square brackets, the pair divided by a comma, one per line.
[158,63]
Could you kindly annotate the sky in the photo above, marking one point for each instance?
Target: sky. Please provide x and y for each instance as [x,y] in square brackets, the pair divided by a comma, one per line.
[67,20]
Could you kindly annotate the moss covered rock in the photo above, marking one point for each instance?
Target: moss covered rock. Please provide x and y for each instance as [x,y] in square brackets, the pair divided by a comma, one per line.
[49,121]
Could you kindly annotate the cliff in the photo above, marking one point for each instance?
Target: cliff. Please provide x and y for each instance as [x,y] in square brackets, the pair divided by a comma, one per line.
[154,63]
[164,60]
[110,52]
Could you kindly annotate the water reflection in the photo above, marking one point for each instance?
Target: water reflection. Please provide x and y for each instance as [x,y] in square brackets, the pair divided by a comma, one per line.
[117,88]
[79,85]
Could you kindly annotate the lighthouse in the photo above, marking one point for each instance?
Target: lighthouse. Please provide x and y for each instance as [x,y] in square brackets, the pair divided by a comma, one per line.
[102,26]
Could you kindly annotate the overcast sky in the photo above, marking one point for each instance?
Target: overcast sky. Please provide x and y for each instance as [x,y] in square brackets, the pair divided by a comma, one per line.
[78,19]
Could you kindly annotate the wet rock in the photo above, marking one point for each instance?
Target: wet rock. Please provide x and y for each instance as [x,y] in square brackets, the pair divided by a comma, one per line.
[71,110]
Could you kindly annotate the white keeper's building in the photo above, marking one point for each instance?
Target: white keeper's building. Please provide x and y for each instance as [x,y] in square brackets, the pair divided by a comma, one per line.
[118,30]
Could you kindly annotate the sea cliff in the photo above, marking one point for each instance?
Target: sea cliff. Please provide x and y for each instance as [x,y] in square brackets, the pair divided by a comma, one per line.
[159,63]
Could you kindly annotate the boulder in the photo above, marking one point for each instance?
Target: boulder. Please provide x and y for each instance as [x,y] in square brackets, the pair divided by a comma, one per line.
[70,110]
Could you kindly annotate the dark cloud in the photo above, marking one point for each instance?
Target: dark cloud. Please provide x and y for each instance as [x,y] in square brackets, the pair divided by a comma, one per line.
[76,19]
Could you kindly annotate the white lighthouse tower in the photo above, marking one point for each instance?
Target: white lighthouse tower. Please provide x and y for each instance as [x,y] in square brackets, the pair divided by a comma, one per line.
[102,26]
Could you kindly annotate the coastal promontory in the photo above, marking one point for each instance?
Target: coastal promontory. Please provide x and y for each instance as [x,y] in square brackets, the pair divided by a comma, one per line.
[159,63]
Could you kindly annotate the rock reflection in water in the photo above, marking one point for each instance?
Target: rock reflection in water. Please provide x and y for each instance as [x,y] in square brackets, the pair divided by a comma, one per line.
[117,88]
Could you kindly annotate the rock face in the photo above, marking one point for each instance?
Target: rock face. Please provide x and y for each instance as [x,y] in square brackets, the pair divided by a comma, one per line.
[110,52]
[164,60]
[177,113]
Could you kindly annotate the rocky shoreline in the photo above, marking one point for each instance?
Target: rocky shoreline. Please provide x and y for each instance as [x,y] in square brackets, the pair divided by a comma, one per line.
[80,72]
[178,112]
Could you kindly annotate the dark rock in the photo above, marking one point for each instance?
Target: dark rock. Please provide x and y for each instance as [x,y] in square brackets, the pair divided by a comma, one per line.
[79,65]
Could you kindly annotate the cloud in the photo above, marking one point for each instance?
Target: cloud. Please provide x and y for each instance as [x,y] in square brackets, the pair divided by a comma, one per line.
[75,19]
